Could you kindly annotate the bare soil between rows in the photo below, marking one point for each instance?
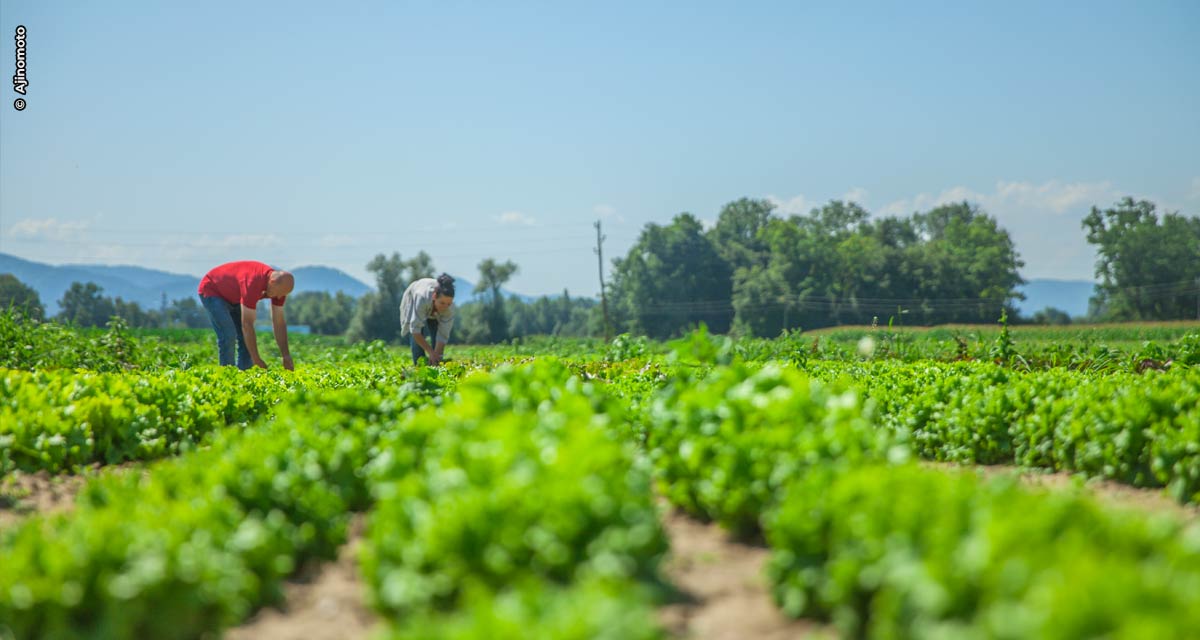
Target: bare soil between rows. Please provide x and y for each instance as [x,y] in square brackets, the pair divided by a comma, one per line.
[42,493]
[722,594]
[324,602]
[1107,492]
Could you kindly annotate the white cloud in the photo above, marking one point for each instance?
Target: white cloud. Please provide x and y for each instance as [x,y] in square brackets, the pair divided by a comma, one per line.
[924,201]
[515,217]
[1053,197]
[48,229]
[798,205]
[801,205]
[857,195]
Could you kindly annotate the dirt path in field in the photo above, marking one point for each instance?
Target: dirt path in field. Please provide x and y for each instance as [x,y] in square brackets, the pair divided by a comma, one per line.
[325,602]
[723,592]
[1107,492]
[24,494]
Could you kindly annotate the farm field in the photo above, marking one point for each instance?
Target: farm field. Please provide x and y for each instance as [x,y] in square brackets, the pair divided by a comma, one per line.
[1009,482]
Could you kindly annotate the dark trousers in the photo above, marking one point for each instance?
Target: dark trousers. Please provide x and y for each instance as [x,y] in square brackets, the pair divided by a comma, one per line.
[430,333]
[227,322]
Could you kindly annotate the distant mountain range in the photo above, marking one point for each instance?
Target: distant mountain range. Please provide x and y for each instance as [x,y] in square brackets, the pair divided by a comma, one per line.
[147,286]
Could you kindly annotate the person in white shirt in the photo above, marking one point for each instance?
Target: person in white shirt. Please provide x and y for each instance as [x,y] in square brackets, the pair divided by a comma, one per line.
[428,308]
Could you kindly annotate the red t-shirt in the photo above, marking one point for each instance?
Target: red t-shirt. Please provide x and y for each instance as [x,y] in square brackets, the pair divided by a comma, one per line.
[244,281]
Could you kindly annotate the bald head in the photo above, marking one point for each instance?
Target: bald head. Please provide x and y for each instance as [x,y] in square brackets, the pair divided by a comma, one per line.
[280,284]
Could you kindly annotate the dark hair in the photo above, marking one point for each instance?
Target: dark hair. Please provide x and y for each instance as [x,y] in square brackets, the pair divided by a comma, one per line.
[445,285]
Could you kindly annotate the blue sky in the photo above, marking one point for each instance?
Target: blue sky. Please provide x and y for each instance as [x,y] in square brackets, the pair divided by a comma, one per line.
[179,137]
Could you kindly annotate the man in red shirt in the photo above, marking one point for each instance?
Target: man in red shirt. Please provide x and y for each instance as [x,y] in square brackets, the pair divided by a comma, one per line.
[230,293]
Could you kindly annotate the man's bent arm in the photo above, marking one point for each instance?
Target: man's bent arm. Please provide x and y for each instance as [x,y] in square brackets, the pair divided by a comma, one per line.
[279,326]
[248,316]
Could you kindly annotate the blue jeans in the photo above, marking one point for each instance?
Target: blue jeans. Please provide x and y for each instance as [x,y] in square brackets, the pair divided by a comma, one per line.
[430,333]
[227,322]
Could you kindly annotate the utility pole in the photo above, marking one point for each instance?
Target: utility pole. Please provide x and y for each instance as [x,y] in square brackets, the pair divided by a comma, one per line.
[600,264]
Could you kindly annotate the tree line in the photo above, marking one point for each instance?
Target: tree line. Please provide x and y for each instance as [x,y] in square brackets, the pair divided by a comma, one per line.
[754,272]
[757,273]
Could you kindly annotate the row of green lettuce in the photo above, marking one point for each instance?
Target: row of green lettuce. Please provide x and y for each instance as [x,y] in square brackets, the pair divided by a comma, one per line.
[60,420]
[885,548]
[520,508]
[1142,430]
[1138,429]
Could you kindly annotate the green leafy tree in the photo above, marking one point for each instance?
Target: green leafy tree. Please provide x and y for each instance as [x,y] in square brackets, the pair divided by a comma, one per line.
[673,278]
[966,267]
[860,261]
[186,312]
[832,266]
[378,314]
[492,276]
[825,258]
[836,220]
[322,312]
[82,305]
[836,266]
[758,297]
[133,314]
[470,324]
[778,296]
[737,235]
[418,267]
[817,267]
[761,301]
[1051,315]
[558,316]
[1149,268]
[17,295]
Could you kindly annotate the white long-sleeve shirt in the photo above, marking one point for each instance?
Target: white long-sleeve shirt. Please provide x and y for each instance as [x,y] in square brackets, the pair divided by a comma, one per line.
[417,306]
